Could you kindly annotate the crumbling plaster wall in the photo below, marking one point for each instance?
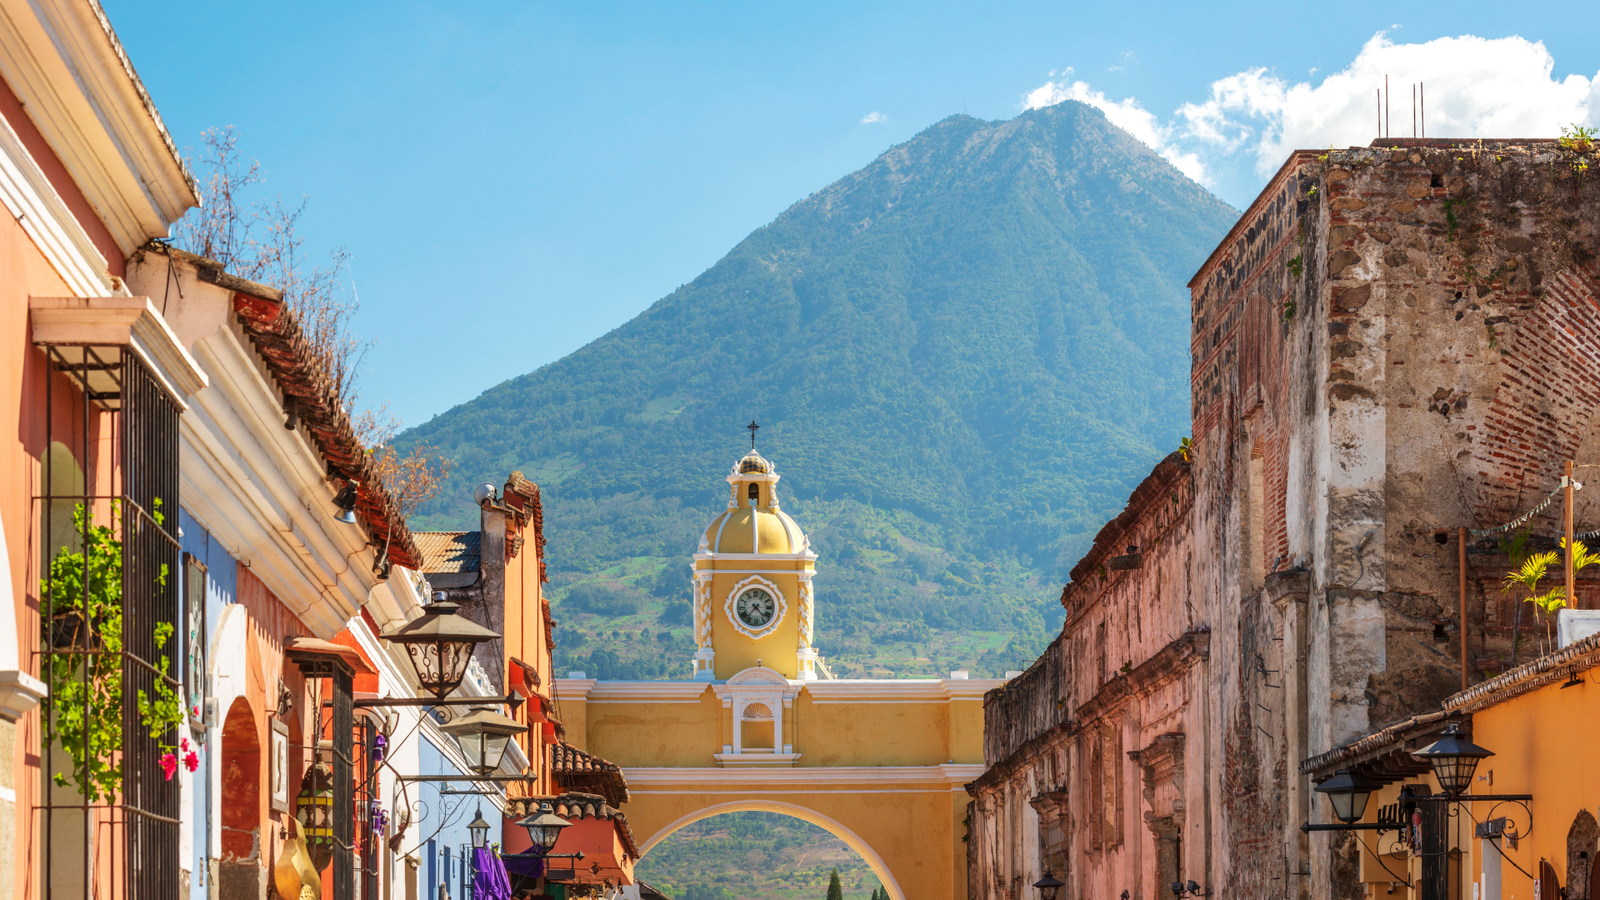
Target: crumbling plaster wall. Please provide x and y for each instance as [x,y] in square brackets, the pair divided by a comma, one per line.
[1391,344]
[1126,671]
[1435,362]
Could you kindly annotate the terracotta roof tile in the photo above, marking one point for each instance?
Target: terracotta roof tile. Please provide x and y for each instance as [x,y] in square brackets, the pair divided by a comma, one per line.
[574,768]
[578,805]
[449,551]
[276,334]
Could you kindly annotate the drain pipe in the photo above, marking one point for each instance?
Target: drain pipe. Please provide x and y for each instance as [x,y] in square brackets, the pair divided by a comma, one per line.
[1461,622]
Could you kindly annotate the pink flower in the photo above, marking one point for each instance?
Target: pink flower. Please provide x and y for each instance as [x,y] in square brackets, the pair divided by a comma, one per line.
[183,743]
[191,761]
[169,764]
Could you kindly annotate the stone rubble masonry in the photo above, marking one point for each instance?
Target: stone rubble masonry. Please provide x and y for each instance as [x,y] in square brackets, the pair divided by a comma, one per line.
[1392,343]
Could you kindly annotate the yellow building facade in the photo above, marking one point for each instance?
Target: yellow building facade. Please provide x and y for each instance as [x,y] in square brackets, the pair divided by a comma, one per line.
[761,725]
[1542,721]
[1539,722]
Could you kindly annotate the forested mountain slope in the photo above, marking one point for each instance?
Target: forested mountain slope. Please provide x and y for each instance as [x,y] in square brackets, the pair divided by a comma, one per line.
[963,357]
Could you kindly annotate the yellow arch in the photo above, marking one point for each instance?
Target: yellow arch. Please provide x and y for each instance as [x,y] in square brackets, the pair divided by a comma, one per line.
[850,838]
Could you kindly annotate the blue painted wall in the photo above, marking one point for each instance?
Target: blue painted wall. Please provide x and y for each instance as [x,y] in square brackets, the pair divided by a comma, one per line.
[445,819]
[222,579]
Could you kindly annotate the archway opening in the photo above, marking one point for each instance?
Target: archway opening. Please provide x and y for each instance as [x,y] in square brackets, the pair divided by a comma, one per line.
[762,850]
[1583,841]
[241,871]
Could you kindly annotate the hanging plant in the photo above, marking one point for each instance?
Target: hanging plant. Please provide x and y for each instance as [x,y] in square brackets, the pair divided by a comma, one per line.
[85,674]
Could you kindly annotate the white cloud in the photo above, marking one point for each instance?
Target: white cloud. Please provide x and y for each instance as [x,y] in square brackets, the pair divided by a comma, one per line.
[1474,87]
[1127,114]
[873,118]
[1471,87]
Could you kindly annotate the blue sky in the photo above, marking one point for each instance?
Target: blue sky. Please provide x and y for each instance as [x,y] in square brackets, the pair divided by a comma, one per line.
[514,180]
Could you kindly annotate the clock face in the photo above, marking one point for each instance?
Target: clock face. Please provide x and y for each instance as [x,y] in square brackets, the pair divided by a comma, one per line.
[755,607]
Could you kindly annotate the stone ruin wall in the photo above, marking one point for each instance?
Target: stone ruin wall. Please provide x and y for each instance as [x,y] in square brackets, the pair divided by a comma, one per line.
[1081,746]
[1392,343]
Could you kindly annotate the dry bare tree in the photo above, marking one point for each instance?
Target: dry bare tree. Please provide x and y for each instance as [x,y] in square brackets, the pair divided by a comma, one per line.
[413,478]
[261,242]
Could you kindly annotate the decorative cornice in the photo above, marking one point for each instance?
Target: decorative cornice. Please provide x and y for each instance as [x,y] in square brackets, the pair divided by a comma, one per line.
[19,692]
[1167,663]
[577,688]
[131,322]
[643,691]
[1579,656]
[276,334]
[63,61]
[261,492]
[901,690]
[649,779]
[37,206]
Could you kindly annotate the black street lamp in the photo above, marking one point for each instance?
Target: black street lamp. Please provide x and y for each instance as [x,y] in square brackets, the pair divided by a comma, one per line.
[1048,885]
[1349,792]
[440,644]
[479,830]
[1454,759]
[484,735]
[544,827]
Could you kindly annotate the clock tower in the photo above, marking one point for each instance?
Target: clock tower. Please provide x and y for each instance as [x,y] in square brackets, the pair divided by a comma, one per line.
[753,600]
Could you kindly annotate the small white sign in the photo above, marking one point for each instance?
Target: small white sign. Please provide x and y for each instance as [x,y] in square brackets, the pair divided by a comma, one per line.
[279,772]
[1573,625]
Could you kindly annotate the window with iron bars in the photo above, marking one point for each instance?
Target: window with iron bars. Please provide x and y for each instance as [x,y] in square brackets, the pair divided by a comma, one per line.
[109,816]
[334,717]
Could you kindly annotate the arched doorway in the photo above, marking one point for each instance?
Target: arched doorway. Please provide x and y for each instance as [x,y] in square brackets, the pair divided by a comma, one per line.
[1583,839]
[833,827]
[242,873]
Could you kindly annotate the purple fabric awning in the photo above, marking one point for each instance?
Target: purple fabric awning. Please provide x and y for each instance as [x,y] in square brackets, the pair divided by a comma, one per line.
[489,881]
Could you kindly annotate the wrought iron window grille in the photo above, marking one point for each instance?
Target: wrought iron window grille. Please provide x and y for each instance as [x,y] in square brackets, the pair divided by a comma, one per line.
[120,425]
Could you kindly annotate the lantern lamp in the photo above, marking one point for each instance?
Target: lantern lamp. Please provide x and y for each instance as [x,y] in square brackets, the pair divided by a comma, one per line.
[480,832]
[1349,791]
[440,644]
[544,828]
[314,810]
[1048,885]
[1454,759]
[484,735]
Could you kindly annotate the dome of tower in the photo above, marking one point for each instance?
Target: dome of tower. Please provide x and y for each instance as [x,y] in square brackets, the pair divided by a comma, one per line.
[753,464]
[753,523]
[759,530]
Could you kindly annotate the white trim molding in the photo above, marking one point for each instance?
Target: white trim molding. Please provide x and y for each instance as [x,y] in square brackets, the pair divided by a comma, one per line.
[131,322]
[36,205]
[832,826]
[901,690]
[647,692]
[63,61]
[822,778]
[19,693]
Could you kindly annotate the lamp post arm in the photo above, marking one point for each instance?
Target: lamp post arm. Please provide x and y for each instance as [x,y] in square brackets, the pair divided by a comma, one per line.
[385,702]
[1359,826]
[1470,798]
[484,778]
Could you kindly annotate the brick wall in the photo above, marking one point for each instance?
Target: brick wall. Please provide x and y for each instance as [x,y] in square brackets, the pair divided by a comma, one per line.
[1392,343]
